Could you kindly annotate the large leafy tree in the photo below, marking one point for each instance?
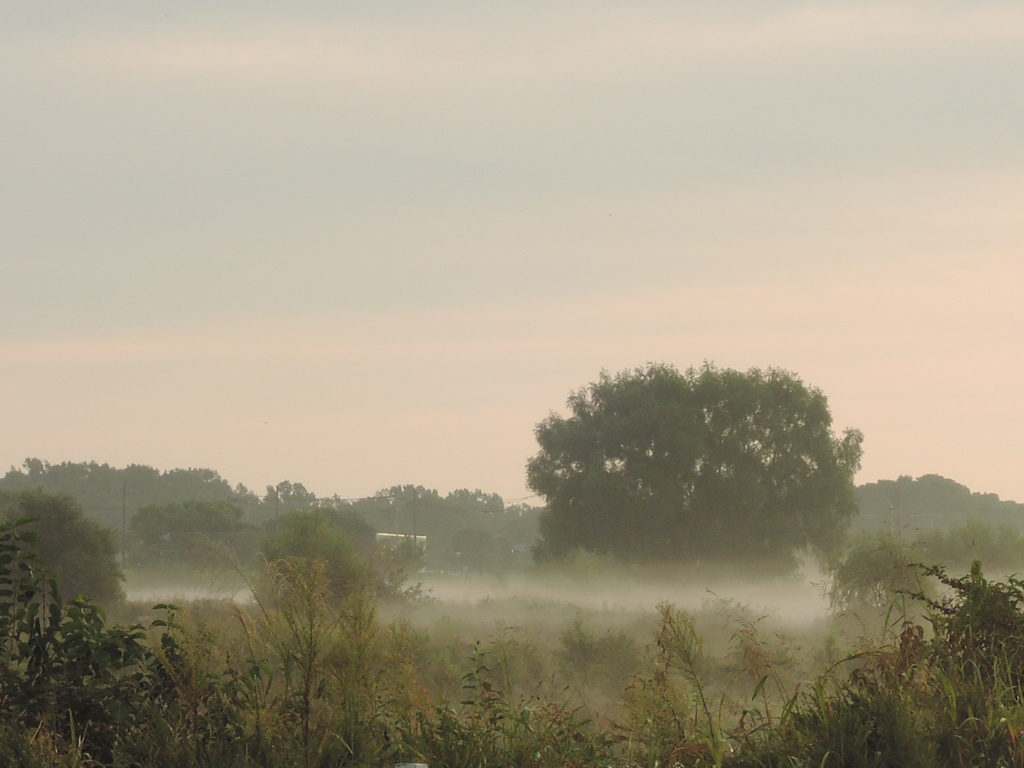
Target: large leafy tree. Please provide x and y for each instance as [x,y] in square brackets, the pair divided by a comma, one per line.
[658,465]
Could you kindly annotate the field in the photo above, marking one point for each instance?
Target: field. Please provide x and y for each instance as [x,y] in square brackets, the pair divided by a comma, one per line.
[588,664]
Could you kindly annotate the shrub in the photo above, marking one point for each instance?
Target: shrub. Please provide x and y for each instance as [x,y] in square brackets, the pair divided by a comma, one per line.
[80,553]
[877,570]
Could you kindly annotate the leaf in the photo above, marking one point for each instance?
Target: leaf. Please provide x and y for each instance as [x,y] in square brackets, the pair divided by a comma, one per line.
[759,687]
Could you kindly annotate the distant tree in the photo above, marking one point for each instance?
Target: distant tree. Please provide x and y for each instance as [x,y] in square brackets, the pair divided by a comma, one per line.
[289,496]
[878,568]
[476,501]
[999,547]
[318,535]
[362,535]
[654,464]
[81,554]
[192,532]
[405,495]
[408,509]
[910,505]
[877,571]
[105,493]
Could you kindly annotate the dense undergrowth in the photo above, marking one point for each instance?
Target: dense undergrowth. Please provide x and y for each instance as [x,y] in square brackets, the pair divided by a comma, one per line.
[304,676]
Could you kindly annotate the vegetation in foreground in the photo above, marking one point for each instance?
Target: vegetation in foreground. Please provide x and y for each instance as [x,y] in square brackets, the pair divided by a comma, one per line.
[312,675]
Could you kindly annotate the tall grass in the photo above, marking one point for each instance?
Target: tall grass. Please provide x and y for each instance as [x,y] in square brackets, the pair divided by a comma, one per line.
[304,676]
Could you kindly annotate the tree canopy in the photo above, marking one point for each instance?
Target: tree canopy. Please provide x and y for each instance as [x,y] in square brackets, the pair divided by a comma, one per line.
[80,553]
[930,502]
[193,532]
[657,465]
[105,492]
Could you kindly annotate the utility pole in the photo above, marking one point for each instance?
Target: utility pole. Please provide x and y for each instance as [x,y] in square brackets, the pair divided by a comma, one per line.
[415,494]
[124,520]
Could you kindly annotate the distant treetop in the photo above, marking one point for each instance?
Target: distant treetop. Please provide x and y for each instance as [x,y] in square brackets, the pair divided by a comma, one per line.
[101,490]
[930,501]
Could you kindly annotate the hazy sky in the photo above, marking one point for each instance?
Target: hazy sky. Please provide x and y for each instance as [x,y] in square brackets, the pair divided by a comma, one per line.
[366,243]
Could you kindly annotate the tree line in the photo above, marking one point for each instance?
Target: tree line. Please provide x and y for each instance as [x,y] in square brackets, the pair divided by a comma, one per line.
[649,465]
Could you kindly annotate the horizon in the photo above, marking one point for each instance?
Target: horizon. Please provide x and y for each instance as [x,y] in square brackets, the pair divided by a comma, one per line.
[373,244]
[262,492]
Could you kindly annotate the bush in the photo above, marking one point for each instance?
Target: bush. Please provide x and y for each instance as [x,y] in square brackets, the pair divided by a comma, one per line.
[311,536]
[601,661]
[877,570]
[80,553]
[956,699]
[62,665]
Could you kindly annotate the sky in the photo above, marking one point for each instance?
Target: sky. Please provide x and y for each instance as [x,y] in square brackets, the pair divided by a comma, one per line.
[362,244]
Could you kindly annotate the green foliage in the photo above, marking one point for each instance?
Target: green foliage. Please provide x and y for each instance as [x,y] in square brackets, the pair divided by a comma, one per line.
[312,676]
[495,724]
[287,496]
[80,554]
[354,563]
[296,621]
[1000,547]
[465,530]
[476,501]
[681,649]
[473,549]
[315,680]
[325,680]
[62,668]
[592,659]
[193,533]
[955,699]
[865,723]
[172,536]
[655,464]
[929,502]
[675,709]
[103,491]
[316,536]
[980,623]
[876,571]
